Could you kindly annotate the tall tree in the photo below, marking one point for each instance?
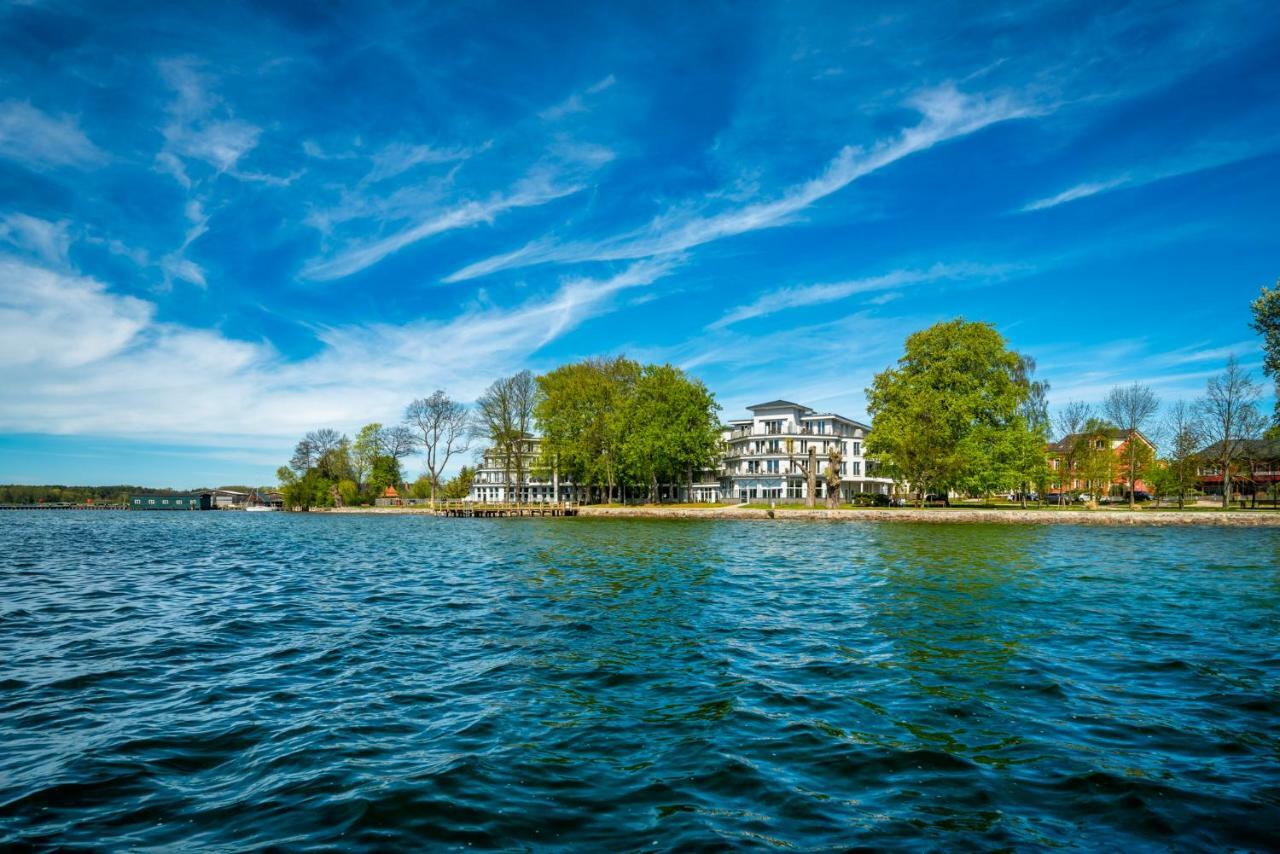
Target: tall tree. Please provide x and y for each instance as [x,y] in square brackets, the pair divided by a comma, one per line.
[1184,433]
[1131,408]
[1266,322]
[581,410]
[1071,422]
[398,442]
[954,378]
[364,450]
[1028,446]
[1228,405]
[443,424]
[504,417]
[674,431]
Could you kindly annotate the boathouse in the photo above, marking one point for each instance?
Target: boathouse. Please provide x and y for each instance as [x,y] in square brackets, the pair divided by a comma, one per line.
[187,501]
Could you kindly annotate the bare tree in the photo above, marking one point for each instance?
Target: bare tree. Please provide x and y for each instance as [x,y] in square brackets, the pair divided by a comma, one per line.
[1070,422]
[1228,405]
[397,442]
[1184,433]
[504,417]
[1131,408]
[809,469]
[1034,411]
[1253,424]
[443,424]
[304,456]
[834,460]
[324,440]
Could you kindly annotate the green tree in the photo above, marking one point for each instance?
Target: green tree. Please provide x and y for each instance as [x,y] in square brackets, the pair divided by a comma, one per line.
[459,486]
[1266,322]
[674,430]
[581,411]
[956,380]
[385,472]
[366,447]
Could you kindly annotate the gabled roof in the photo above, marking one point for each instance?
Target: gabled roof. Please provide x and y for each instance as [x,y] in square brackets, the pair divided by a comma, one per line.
[1258,449]
[1113,433]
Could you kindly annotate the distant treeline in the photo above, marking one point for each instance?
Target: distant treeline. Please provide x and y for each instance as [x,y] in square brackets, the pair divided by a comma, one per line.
[21,493]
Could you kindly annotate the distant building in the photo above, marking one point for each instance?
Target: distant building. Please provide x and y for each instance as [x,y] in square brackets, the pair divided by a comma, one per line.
[1254,469]
[189,501]
[1113,437]
[389,498]
[495,478]
[229,499]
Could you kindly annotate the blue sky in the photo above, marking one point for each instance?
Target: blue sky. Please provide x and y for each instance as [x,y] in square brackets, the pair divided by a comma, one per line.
[223,225]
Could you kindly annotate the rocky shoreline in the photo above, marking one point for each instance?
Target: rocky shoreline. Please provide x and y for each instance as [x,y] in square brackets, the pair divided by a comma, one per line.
[954,515]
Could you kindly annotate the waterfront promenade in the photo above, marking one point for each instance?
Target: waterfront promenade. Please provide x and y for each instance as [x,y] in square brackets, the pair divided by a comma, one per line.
[1000,515]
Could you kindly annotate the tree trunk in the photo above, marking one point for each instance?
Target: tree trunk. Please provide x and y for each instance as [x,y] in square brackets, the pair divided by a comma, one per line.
[812,473]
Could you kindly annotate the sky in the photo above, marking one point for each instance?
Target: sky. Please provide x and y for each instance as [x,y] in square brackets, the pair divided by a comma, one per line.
[223,225]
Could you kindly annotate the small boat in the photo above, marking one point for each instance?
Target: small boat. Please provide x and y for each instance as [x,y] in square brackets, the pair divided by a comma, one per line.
[255,504]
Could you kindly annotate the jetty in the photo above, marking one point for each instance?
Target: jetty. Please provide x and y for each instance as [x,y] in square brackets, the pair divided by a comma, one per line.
[478,510]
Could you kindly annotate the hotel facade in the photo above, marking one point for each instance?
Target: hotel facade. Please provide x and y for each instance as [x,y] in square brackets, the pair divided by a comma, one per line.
[764,457]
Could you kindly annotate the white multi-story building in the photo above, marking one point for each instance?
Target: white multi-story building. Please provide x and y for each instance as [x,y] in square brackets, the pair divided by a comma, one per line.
[495,479]
[765,454]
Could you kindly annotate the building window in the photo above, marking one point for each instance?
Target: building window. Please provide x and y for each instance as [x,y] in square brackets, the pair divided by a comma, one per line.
[856,468]
[857,449]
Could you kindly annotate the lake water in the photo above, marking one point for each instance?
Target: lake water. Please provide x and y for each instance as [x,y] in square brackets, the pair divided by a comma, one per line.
[234,681]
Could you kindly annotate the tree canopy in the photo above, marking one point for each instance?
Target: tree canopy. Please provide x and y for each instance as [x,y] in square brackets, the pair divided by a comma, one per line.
[948,415]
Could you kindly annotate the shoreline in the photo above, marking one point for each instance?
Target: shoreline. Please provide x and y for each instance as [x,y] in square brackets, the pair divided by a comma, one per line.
[937,515]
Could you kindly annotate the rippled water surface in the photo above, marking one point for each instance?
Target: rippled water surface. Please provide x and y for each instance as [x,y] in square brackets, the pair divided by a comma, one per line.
[234,681]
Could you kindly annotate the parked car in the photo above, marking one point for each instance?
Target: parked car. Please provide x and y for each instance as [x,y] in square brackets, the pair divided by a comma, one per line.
[937,499]
[1053,498]
[1140,496]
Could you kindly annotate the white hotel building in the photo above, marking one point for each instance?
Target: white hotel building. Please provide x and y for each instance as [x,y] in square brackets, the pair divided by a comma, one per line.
[763,460]
[764,453]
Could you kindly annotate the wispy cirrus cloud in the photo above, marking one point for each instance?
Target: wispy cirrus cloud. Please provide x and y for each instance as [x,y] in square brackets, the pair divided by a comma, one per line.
[48,241]
[40,141]
[200,126]
[780,299]
[534,190]
[577,102]
[946,114]
[1197,158]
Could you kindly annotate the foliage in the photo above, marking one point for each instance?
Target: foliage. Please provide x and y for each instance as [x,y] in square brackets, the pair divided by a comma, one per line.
[1266,322]
[673,428]
[1097,459]
[1184,432]
[18,493]
[581,411]
[366,447]
[385,472]
[458,486]
[956,390]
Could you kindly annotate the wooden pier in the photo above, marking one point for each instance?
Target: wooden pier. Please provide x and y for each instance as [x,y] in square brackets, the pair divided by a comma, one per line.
[477,510]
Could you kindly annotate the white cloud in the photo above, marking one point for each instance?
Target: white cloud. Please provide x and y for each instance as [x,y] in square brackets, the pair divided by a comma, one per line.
[398,158]
[780,299]
[200,127]
[48,241]
[82,360]
[537,189]
[38,140]
[946,114]
[1197,158]
[577,102]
